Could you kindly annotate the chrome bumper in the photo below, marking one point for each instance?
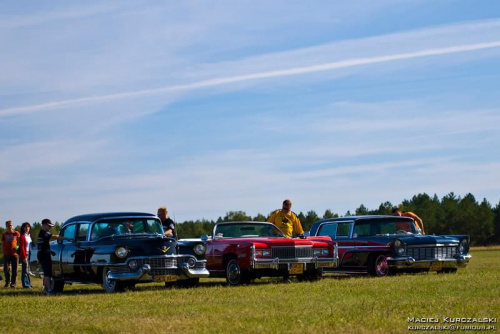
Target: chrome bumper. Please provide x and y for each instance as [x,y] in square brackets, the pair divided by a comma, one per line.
[146,273]
[410,263]
[194,272]
[275,263]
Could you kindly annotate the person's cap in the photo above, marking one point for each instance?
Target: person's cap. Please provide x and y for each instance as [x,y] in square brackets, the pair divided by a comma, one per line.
[47,222]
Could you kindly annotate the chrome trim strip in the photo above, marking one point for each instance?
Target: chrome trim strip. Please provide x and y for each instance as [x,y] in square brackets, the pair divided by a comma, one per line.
[451,244]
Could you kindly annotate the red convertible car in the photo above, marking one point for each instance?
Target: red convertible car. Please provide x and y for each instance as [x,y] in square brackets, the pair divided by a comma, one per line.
[241,251]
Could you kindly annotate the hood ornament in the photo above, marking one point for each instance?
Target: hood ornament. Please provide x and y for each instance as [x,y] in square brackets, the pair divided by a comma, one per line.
[164,249]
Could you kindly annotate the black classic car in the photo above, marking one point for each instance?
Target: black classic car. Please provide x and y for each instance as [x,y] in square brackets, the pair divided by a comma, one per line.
[380,245]
[119,250]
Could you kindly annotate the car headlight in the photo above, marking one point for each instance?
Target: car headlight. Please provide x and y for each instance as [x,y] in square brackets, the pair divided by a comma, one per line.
[191,262]
[463,247]
[199,249]
[133,265]
[121,252]
[262,253]
[321,252]
[399,247]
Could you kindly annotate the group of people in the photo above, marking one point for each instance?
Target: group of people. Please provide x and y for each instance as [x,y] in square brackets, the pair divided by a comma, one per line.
[16,246]
[16,249]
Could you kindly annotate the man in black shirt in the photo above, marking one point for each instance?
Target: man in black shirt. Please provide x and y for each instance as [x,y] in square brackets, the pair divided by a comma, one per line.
[43,255]
[168,224]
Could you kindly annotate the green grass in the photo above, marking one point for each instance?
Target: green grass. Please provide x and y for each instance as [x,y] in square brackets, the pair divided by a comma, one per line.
[335,304]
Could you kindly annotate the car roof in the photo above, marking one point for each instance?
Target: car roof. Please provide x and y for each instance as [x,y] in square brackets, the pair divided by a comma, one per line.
[91,217]
[316,225]
[361,217]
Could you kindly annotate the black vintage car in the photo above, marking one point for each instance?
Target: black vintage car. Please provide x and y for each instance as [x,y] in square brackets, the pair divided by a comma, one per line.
[119,250]
[380,245]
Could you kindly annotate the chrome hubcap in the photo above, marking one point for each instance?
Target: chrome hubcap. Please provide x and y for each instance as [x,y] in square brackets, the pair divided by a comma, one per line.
[382,267]
[233,272]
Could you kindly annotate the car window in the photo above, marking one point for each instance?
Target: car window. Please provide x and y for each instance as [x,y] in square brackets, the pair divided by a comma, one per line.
[247,230]
[361,230]
[328,230]
[343,229]
[69,232]
[82,232]
[129,226]
[379,226]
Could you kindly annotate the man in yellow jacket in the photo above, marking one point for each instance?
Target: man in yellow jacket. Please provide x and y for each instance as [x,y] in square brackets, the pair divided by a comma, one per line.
[418,222]
[286,220]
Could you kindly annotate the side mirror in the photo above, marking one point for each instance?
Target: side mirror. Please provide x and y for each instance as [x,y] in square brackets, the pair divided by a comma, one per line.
[204,238]
[307,234]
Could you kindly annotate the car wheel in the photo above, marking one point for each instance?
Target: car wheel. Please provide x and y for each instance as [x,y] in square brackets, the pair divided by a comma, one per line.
[379,266]
[110,286]
[234,274]
[57,285]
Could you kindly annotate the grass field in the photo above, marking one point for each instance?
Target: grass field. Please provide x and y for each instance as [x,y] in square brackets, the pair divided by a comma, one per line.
[337,303]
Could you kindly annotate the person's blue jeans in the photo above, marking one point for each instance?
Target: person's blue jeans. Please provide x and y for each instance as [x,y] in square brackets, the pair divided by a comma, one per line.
[25,276]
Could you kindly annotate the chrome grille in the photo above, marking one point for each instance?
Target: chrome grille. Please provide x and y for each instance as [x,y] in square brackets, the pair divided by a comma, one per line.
[291,252]
[424,253]
[159,262]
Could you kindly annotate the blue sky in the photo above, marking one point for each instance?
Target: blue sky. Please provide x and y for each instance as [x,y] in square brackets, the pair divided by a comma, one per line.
[209,107]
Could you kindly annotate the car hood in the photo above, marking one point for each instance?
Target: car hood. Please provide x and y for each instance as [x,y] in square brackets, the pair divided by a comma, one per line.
[429,240]
[141,245]
[410,240]
[279,242]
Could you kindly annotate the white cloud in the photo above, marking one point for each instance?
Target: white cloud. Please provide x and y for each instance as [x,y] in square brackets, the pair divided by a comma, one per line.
[296,66]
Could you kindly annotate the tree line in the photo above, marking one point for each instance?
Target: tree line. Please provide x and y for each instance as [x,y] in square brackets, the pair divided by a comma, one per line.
[451,214]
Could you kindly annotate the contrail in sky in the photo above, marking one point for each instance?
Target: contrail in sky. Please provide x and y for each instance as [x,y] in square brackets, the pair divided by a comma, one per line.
[248,77]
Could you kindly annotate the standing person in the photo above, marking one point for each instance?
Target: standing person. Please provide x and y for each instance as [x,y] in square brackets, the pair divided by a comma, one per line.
[168,224]
[286,220]
[10,239]
[43,255]
[24,254]
[420,224]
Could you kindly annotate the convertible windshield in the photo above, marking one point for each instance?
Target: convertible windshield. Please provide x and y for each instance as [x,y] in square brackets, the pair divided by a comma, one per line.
[132,226]
[364,228]
[242,230]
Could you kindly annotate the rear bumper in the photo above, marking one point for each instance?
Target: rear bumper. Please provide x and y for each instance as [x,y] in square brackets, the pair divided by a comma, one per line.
[410,263]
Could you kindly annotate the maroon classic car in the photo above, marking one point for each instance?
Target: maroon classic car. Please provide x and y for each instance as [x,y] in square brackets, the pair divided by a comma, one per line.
[241,251]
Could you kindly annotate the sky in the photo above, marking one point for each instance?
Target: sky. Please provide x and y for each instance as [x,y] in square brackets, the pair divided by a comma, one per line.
[216,106]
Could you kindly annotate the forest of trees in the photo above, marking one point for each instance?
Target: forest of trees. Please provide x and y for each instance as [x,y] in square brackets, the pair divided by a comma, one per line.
[451,214]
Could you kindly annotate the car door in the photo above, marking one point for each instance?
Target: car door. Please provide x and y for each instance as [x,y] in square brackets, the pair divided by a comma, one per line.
[77,254]
[341,232]
[68,231]
[215,254]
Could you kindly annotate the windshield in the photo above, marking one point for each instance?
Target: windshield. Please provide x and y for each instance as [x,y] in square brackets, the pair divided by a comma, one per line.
[246,230]
[365,228]
[130,226]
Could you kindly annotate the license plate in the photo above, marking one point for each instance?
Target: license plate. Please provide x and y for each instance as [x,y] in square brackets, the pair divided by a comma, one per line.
[436,266]
[167,278]
[296,269]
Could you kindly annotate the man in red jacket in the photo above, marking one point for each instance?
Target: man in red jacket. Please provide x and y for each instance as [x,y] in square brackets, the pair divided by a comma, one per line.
[10,240]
